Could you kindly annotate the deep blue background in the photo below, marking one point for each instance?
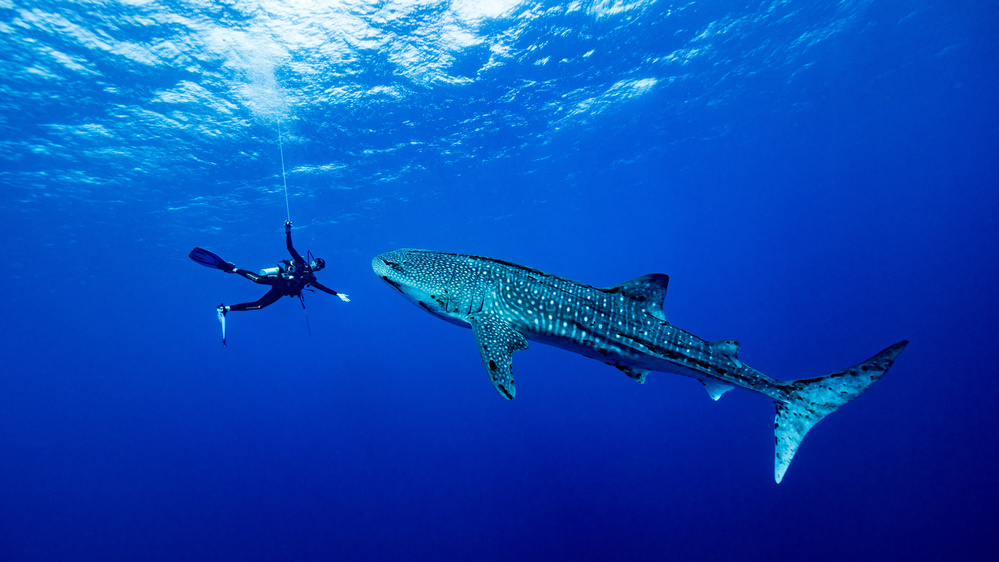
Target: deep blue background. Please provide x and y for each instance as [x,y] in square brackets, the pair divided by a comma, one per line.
[818,181]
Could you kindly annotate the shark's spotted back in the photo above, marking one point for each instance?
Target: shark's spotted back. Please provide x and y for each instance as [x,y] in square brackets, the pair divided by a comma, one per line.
[506,305]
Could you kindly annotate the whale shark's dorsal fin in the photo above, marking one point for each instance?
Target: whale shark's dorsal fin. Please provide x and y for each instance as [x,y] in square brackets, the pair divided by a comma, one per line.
[729,348]
[649,290]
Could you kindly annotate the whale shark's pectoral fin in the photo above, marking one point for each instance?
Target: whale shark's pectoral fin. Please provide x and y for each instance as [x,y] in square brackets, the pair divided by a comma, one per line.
[497,341]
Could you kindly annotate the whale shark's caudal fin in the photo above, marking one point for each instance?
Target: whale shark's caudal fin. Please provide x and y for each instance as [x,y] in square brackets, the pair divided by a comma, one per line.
[810,400]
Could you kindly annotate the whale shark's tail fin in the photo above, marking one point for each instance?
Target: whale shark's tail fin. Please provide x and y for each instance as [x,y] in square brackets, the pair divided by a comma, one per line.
[810,400]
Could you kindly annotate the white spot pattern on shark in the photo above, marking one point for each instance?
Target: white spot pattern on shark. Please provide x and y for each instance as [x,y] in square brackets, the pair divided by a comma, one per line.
[507,304]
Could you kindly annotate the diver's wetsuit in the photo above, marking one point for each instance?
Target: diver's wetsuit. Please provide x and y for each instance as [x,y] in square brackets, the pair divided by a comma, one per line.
[290,283]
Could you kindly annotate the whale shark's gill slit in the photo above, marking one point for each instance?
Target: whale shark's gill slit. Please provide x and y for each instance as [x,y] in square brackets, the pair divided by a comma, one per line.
[397,286]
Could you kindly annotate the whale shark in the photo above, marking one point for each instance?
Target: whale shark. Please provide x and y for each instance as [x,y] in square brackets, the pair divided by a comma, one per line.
[506,305]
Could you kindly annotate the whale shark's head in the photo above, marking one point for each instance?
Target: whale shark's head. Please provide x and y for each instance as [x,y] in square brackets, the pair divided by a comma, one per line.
[422,276]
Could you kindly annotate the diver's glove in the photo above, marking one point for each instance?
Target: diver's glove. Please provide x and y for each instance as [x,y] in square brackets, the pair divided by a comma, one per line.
[343,297]
[287,227]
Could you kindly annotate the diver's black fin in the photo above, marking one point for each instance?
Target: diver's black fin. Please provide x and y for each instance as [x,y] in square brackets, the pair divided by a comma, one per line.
[208,259]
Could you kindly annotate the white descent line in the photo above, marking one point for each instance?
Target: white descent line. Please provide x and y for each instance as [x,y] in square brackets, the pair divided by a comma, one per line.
[284,178]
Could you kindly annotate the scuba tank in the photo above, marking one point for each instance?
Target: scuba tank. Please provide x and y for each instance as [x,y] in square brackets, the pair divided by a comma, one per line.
[279,269]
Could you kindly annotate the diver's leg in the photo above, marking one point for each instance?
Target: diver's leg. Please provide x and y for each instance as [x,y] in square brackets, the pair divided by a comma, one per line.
[262,279]
[268,298]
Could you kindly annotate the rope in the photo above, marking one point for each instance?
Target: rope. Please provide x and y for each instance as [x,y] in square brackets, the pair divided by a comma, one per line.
[307,326]
[287,206]
[283,176]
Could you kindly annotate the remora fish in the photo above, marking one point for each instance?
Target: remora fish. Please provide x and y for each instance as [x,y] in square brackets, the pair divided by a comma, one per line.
[506,304]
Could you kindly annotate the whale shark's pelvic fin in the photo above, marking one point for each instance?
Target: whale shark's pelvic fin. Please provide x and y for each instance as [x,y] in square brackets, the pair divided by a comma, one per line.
[635,373]
[714,387]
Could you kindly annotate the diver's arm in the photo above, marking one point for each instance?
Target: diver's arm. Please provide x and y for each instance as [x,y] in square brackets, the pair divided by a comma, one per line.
[323,288]
[326,289]
[291,249]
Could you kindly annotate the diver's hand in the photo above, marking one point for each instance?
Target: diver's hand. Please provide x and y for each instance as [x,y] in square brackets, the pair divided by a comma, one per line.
[287,226]
[343,297]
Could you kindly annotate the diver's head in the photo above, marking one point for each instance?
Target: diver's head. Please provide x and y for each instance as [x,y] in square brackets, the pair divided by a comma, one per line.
[317,264]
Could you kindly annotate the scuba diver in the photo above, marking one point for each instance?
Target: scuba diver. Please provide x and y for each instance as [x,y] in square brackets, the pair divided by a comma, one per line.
[289,278]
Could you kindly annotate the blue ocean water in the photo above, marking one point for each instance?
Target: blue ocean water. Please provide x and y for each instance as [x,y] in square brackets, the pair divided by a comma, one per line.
[818,180]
